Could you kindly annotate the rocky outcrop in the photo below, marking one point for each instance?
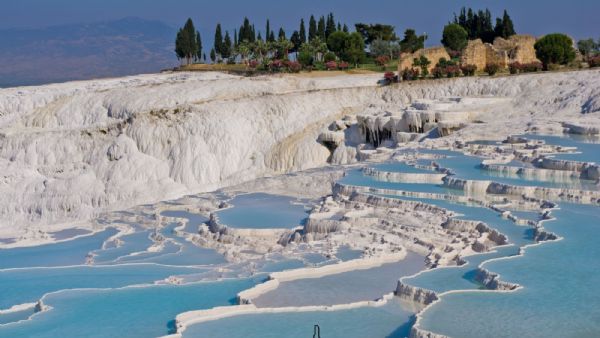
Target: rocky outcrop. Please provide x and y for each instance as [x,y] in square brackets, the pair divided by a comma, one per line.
[415,294]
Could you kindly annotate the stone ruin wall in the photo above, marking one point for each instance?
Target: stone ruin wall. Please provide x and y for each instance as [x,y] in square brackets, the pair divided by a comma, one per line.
[517,48]
[433,54]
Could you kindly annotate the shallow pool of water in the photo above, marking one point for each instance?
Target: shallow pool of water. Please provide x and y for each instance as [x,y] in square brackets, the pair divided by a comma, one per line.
[263,211]
[392,320]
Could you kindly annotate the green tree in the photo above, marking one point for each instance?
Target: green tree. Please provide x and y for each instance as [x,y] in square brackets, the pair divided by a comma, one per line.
[372,32]
[198,55]
[218,45]
[345,29]
[268,30]
[186,42]
[337,42]
[587,47]
[312,28]
[321,28]
[355,50]
[330,25]
[302,32]
[508,28]
[281,34]
[555,49]
[454,37]
[213,55]
[348,47]
[411,42]
[296,41]
[226,48]
[380,48]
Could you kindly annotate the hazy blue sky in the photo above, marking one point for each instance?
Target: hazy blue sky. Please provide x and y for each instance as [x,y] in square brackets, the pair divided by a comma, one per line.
[579,18]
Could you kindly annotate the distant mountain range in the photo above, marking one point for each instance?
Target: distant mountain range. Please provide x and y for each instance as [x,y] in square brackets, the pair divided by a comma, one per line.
[83,51]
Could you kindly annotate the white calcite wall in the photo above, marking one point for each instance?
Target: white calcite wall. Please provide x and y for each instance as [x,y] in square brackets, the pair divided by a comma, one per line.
[69,151]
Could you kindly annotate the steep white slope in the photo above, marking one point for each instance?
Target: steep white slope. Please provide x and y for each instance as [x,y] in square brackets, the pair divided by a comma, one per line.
[69,151]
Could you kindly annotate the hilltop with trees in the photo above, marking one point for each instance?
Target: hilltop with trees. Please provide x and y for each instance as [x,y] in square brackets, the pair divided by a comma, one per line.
[323,43]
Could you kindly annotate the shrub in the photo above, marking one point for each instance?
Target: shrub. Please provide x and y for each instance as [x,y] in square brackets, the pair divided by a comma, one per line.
[305,58]
[438,72]
[454,37]
[382,60]
[410,74]
[293,66]
[452,71]
[329,56]
[253,64]
[343,65]
[389,77]
[594,61]
[555,48]
[532,67]
[553,67]
[492,68]
[515,67]
[331,65]
[468,70]
[275,65]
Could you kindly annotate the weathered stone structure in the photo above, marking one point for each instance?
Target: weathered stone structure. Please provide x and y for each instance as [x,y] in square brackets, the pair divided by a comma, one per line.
[433,54]
[517,48]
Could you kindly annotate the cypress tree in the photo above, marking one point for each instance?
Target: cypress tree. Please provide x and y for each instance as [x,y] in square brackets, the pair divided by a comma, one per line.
[330,26]
[268,30]
[312,28]
[226,50]
[272,36]
[198,46]
[339,27]
[218,40]
[259,37]
[187,42]
[321,28]
[281,34]
[213,55]
[345,29]
[236,42]
[253,34]
[302,32]
[295,40]
[508,29]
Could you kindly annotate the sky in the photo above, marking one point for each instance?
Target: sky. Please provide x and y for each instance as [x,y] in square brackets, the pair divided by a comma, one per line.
[578,18]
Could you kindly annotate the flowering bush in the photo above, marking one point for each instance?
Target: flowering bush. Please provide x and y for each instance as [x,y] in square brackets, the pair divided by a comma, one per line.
[438,72]
[276,65]
[293,66]
[452,71]
[515,67]
[594,61]
[492,68]
[468,70]
[382,60]
[532,67]
[343,65]
[331,65]
[410,74]
[253,64]
[390,77]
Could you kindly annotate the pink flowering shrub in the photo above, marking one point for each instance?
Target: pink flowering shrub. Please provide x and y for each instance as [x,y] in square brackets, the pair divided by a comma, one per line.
[331,65]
